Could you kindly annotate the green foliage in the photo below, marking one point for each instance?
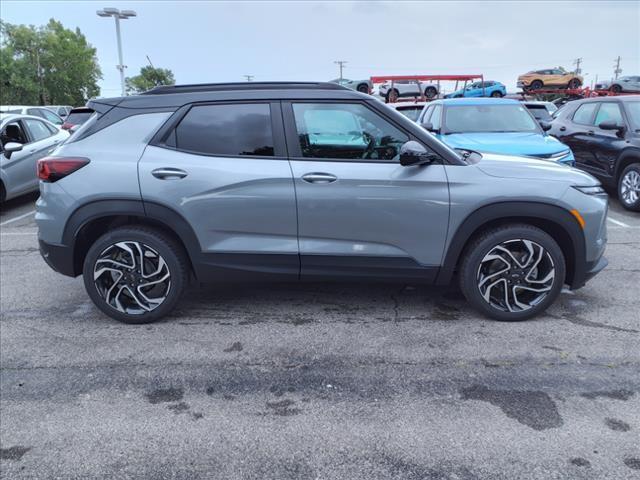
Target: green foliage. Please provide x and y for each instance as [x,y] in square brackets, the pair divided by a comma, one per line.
[149,77]
[46,65]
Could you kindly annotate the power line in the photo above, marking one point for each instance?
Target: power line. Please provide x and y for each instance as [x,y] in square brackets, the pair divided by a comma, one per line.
[340,64]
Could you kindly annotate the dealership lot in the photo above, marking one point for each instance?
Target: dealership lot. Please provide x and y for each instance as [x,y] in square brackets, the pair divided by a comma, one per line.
[318,380]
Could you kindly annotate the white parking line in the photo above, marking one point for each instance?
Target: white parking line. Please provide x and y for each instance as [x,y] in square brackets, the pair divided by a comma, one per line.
[16,234]
[15,219]
[618,222]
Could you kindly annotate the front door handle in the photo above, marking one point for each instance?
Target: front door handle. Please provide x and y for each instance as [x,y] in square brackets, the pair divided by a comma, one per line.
[563,129]
[168,173]
[319,178]
[590,132]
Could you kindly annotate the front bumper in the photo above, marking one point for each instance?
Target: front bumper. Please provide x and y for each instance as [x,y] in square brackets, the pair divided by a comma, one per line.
[595,267]
[58,257]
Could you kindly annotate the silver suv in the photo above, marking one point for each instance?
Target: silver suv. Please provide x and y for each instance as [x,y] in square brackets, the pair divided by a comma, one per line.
[306,181]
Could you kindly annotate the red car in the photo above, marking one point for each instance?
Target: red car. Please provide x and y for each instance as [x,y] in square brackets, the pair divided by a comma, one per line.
[77,116]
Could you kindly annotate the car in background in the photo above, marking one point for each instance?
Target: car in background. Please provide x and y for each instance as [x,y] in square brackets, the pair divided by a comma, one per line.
[552,77]
[542,111]
[411,110]
[61,110]
[24,139]
[77,117]
[362,86]
[488,88]
[407,88]
[626,84]
[604,134]
[42,112]
[492,125]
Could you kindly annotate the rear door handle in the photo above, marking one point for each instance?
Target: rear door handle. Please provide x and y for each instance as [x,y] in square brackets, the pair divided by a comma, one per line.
[168,173]
[319,178]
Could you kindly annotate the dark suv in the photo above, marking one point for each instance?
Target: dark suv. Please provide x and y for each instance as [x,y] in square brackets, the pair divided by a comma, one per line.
[604,134]
[305,181]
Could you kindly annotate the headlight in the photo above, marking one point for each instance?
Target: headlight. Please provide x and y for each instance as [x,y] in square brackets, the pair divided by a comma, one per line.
[592,190]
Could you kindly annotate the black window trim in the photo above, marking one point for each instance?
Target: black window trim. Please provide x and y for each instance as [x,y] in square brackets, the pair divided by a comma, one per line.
[293,144]
[167,130]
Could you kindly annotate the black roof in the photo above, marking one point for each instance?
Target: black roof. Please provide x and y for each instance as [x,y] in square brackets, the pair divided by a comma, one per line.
[220,87]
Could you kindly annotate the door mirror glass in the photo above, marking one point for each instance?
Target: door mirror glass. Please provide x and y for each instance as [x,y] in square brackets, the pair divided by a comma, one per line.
[414,153]
[11,147]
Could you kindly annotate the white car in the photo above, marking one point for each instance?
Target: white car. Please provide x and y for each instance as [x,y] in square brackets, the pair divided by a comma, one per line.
[411,110]
[61,110]
[42,112]
[24,139]
[407,88]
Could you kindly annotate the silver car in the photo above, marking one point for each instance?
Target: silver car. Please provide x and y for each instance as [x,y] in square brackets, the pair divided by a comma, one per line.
[626,84]
[362,86]
[391,91]
[24,139]
[42,112]
[304,181]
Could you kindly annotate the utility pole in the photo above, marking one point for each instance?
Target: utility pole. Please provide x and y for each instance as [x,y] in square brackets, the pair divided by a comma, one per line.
[577,63]
[248,77]
[340,64]
[617,71]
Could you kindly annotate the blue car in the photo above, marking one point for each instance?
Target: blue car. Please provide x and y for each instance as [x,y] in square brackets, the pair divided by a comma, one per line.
[491,89]
[492,125]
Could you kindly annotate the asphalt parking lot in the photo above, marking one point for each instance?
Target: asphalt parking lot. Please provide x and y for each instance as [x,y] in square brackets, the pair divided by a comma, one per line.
[318,380]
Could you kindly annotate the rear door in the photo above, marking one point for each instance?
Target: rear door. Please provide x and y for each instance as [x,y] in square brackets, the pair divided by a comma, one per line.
[577,132]
[359,211]
[42,139]
[223,168]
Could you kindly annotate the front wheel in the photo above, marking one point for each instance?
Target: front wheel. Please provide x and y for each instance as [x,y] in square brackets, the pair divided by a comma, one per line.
[392,96]
[512,272]
[615,88]
[135,274]
[363,88]
[536,85]
[430,92]
[629,187]
[496,94]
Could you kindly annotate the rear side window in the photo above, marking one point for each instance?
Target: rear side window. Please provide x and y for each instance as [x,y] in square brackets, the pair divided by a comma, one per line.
[584,114]
[240,129]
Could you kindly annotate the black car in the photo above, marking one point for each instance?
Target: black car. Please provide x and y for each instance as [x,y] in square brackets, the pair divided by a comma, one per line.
[604,134]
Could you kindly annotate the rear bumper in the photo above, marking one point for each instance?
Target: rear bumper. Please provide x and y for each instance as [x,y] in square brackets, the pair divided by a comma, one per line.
[58,257]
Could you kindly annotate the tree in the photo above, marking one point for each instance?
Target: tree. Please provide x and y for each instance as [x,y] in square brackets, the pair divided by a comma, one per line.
[46,65]
[149,77]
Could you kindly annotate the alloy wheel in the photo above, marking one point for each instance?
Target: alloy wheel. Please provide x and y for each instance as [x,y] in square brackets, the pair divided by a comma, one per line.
[516,275]
[630,187]
[132,277]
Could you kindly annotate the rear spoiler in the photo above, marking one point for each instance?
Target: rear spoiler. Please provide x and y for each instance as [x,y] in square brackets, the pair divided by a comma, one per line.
[103,105]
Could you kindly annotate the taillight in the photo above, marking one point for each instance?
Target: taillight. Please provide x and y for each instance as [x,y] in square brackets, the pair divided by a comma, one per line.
[51,169]
[67,125]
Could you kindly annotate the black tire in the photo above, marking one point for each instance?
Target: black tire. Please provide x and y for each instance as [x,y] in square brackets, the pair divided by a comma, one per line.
[536,85]
[363,88]
[392,95]
[574,83]
[630,197]
[483,244]
[496,94]
[615,88]
[168,250]
[430,92]
[3,193]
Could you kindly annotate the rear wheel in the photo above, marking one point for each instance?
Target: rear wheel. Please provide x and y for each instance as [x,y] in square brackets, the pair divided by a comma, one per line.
[629,187]
[512,272]
[363,88]
[496,94]
[615,88]
[430,92]
[135,274]
[392,95]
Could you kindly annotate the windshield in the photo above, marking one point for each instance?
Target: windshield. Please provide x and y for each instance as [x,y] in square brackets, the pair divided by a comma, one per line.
[488,118]
[633,111]
[412,113]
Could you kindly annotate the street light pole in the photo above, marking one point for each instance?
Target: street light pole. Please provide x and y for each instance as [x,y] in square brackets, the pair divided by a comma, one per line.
[118,15]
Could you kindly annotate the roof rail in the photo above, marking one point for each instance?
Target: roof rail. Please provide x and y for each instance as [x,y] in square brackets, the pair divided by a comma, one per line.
[217,87]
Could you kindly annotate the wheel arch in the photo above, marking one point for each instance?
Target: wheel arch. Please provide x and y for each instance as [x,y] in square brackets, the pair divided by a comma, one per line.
[90,221]
[554,220]
[626,158]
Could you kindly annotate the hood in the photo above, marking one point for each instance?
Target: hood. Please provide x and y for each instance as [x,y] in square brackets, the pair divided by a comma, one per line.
[511,143]
[510,166]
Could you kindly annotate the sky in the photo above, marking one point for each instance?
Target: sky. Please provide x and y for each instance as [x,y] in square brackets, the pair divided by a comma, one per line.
[216,41]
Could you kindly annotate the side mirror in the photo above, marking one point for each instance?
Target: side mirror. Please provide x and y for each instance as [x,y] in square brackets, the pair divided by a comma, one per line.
[546,126]
[429,127]
[414,153]
[11,147]
[610,125]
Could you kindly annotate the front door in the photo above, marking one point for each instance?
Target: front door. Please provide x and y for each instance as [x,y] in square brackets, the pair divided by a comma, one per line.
[223,168]
[607,143]
[359,211]
[577,133]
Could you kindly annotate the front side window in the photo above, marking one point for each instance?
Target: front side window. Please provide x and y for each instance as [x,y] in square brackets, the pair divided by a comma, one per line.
[584,114]
[231,129]
[436,118]
[609,112]
[37,129]
[345,131]
[488,118]
[12,132]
